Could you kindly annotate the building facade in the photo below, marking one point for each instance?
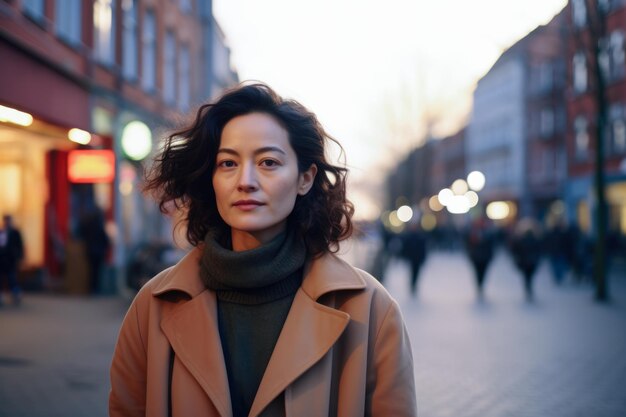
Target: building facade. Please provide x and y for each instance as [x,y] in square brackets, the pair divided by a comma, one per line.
[546,118]
[124,72]
[608,20]
[496,133]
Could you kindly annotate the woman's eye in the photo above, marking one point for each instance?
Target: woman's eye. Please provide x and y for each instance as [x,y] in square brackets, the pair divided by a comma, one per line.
[226,164]
[269,163]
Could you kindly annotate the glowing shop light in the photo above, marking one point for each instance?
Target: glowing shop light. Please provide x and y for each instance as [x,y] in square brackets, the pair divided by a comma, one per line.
[91,166]
[497,210]
[444,196]
[476,180]
[405,213]
[79,136]
[7,114]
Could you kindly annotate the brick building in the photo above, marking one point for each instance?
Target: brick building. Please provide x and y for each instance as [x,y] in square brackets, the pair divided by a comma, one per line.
[121,71]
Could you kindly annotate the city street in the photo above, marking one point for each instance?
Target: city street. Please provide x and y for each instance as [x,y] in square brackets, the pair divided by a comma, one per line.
[563,355]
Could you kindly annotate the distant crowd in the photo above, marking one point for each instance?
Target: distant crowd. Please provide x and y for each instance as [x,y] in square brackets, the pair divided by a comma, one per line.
[569,250]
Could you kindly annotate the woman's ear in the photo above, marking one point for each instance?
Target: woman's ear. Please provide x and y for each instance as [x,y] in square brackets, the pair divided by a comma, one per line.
[306,179]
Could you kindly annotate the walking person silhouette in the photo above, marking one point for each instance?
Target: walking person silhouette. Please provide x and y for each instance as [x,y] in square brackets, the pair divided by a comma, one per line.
[526,249]
[479,247]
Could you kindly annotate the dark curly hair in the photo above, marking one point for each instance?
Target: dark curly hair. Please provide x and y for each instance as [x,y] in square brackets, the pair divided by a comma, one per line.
[182,171]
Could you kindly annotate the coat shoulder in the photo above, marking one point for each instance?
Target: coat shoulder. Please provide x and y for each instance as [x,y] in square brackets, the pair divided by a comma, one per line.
[373,285]
[372,293]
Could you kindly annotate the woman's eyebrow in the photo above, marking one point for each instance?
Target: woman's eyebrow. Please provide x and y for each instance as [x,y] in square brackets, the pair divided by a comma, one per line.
[256,151]
[269,149]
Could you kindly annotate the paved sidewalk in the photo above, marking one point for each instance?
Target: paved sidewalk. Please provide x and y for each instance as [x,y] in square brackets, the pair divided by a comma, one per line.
[563,356]
[55,353]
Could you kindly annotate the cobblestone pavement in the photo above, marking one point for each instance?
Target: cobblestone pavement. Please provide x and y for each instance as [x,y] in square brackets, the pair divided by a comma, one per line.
[564,355]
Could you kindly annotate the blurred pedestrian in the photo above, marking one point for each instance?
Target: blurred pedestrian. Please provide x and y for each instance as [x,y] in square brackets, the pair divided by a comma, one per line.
[414,252]
[526,249]
[479,244]
[260,318]
[614,248]
[380,260]
[93,234]
[582,254]
[558,245]
[11,253]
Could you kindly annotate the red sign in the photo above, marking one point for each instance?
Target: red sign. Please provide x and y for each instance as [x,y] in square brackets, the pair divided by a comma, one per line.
[89,166]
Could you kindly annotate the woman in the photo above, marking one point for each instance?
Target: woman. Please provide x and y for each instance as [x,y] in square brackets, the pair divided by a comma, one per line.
[260,318]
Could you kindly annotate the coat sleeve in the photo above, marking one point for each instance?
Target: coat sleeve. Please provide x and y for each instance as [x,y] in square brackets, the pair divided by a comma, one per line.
[391,382]
[128,369]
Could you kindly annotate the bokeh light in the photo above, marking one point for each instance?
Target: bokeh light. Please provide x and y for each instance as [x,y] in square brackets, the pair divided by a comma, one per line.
[444,196]
[476,180]
[434,204]
[459,187]
[498,210]
[405,213]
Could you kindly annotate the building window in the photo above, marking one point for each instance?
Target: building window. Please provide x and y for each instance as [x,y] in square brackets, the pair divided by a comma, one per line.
[581,137]
[68,20]
[34,9]
[617,129]
[546,124]
[129,45]
[184,79]
[545,76]
[148,52]
[619,136]
[560,165]
[104,31]
[616,55]
[169,68]
[560,119]
[186,6]
[604,5]
[548,164]
[580,72]
[579,13]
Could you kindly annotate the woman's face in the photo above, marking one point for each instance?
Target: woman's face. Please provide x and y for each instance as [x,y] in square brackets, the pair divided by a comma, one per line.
[256,179]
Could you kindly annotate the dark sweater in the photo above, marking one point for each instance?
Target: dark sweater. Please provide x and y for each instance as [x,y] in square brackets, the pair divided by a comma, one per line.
[254,290]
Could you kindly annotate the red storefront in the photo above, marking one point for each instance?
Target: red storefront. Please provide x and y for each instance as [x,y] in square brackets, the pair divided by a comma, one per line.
[33,158]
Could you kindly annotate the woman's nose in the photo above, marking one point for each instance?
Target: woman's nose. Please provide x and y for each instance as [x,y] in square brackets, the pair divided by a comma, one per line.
[247,179]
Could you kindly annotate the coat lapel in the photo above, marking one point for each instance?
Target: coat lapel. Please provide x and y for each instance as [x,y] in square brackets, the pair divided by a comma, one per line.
[311,328]
[309,332]
[192,331]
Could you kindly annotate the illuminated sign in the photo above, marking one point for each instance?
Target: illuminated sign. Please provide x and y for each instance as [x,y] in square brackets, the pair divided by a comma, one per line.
[89,166]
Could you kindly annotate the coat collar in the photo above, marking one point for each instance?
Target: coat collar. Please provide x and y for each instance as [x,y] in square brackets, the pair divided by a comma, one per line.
[322,275]
[310,331]
[182,276]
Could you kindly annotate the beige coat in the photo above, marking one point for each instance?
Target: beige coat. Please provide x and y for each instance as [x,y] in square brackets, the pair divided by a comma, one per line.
[343,350]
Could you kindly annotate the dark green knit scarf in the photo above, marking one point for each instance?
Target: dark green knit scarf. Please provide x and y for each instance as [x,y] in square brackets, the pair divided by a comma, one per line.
[255,276]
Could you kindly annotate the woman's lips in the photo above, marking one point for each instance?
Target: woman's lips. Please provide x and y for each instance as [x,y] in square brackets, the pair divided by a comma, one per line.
[247,205]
